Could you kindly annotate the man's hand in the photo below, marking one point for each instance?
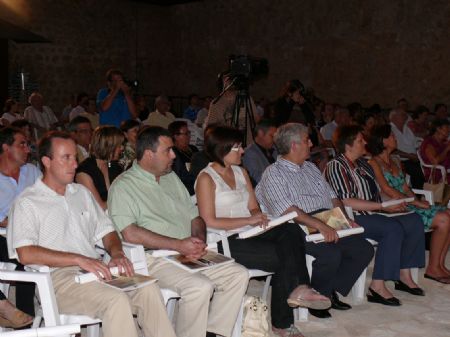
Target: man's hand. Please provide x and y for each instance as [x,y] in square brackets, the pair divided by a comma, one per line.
[125,88]
[122,263]
[94,266]
[192,247]
[353,224]
[329,234]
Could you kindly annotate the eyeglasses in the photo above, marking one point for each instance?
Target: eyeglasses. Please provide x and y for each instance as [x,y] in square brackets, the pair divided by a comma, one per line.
[236,148]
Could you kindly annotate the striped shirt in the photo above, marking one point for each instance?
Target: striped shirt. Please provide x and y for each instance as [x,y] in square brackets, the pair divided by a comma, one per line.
[352,181]
[285,184]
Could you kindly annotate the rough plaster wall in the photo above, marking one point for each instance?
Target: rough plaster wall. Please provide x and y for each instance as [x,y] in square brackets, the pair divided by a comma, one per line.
[367,51]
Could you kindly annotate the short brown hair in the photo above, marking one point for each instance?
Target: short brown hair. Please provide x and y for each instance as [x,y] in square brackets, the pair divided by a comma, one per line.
[45,145]
[345,135]
[220,141]
[105,140]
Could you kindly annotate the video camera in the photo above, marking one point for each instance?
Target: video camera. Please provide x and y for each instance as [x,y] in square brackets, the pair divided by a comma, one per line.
[245,69]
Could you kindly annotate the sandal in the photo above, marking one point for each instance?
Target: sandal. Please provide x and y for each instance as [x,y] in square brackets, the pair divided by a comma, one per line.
[306,297]
[292,331]
[440,279]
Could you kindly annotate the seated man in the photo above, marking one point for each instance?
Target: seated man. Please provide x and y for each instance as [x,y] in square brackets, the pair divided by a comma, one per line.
[293,183]
[161,116]
[80,129]
[15,176]
[56,223]
[261,153]
[150,205]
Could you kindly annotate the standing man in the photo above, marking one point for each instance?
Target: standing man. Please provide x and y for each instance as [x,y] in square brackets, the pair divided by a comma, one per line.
[115,103]
[56,223]
[15,176]
[261,153]
[150,206]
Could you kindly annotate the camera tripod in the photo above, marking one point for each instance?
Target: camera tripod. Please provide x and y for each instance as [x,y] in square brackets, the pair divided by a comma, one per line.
[243,104]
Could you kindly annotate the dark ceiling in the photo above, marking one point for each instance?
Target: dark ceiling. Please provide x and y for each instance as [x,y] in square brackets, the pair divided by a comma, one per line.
[166,2]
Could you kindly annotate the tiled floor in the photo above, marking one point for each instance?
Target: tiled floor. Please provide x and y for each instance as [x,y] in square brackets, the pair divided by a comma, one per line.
[427,316]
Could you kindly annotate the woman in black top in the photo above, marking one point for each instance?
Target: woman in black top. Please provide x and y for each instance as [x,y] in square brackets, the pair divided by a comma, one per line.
[99,170]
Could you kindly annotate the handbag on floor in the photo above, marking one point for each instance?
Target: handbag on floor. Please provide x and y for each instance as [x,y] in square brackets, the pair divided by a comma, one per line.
[436,188]
[255,322]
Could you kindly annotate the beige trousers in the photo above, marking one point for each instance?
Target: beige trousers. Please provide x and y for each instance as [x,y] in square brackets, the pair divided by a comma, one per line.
[114,307]
[210,299]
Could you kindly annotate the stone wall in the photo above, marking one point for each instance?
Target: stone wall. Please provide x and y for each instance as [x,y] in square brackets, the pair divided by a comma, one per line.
[368,51]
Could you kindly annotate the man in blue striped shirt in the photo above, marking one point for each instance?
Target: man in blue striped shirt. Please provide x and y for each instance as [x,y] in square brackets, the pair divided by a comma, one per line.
[294,184]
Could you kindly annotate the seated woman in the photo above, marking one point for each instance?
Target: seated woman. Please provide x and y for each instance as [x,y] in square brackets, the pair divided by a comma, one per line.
[390,178]
[226,200]
[401,242]
[99,170]
[10,316]
[184,152]
[419,122]
[435,148]
[130,130]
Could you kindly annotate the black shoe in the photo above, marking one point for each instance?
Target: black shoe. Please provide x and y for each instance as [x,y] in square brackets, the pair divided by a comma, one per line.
[320,313]
[337,304]
[374,297]
[399,285]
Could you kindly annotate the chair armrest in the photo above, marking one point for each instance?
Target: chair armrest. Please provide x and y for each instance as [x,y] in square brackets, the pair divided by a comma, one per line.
[214,235]
[427,194]
[62,330]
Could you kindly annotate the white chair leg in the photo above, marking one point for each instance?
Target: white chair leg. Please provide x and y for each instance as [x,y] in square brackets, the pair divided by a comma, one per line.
[265,292]
[358,289]
[93,330]
[237,329]
[415,275]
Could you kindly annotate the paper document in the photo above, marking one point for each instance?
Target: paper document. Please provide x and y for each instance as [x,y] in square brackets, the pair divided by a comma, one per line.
[272,223]
[316,238]
[396,202]
[209,260]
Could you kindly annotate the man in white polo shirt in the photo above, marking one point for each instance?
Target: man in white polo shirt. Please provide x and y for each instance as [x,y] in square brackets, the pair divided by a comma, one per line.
[56,223]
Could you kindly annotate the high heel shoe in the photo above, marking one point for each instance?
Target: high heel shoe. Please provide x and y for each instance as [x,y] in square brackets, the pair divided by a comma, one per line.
[374,297]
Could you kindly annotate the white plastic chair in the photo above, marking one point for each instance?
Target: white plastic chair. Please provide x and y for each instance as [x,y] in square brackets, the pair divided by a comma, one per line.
[430,166]
[55,331]
[214,236]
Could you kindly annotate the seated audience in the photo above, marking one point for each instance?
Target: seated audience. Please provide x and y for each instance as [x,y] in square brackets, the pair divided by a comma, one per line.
[150,206]
[56,223]
[341,117]
[115,102]
[27,129]
[406,146]
[130,130]
[80,129]
[262,152]
[161,116]
[10,317]
[392,182]
[82,104]
[203,112]
[39,115]
[10,112]
[419,122]
[142,109]
[401,243]
[201,159]
[440,111]
[15,175]
[184,152]
[226,200]
[291,94]
[367,122]
[435,149]
[98,171]
[191,111]
[91,113]
[294,184]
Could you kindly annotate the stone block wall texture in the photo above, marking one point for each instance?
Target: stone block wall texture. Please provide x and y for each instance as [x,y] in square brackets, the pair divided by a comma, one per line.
[367,51]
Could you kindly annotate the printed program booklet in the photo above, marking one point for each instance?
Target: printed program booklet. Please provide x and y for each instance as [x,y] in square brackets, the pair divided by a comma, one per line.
[335,219]
[209,260]
[272,223]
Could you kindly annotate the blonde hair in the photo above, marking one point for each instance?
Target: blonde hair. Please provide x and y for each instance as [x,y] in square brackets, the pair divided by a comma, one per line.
[105,140]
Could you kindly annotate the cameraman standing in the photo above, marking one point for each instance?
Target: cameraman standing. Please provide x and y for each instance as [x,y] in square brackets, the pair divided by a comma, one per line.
[221,109]
[115,103]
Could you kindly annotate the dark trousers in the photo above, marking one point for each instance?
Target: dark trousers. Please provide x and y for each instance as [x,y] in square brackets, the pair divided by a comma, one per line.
[280,250]
[412,167]
[337,266]
[24,290]
[401,243]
